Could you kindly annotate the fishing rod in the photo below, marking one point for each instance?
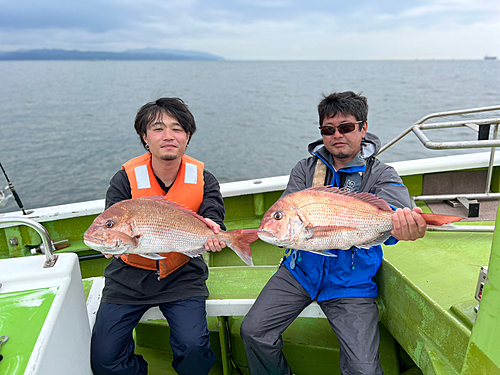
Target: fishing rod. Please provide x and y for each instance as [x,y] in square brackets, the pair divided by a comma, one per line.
[14,192]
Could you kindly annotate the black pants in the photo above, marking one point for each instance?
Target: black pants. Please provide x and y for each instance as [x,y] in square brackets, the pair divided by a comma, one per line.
[112,348]
[354,321]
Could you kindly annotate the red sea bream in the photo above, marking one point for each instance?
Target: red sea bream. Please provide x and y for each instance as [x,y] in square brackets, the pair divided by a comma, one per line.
[322,218]
[154,225]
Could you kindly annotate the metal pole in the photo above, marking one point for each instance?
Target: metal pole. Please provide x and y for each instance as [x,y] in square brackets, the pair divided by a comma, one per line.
[433,145]
[492,161]
[445,197]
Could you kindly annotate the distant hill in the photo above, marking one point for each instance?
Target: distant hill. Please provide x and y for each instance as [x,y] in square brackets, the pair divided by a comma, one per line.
[137,54]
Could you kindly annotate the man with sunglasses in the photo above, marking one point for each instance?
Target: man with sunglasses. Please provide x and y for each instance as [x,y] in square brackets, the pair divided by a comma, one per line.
[342,284]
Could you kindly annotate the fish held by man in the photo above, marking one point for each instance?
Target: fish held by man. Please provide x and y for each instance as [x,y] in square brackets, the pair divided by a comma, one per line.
[322,218]
[151,225]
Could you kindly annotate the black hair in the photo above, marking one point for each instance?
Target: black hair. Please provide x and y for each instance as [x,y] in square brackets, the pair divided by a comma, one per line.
[174,107]
[346,103]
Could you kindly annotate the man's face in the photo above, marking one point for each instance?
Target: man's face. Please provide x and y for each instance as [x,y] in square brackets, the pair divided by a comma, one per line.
[166,138]
[343,146]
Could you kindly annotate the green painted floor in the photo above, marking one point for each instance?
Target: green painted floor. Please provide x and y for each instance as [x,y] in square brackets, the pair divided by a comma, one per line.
[444,265]
[427,296]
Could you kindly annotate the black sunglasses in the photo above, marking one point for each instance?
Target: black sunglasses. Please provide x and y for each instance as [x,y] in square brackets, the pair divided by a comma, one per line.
[343,128]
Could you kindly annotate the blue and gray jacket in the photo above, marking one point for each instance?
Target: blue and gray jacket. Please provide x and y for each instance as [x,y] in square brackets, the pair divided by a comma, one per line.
[351,272]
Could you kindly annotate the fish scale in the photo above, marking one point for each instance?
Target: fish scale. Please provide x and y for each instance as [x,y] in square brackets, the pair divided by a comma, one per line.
[365,219]
[156,237]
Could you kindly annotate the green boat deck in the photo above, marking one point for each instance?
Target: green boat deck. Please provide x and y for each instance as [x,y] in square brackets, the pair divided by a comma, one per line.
[427,299]
[426,306]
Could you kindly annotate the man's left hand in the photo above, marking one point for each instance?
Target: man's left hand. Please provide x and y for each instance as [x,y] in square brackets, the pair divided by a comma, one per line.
[213,244]
[408,225]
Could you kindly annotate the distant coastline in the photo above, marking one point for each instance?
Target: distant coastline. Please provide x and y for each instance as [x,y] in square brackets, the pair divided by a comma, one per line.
[139,54]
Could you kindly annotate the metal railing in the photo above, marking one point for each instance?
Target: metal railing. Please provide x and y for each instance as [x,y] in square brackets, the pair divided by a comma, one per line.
[482,127]
[47,243]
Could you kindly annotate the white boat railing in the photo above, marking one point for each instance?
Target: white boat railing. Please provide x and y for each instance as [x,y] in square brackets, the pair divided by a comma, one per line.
[481,126]
[473,124]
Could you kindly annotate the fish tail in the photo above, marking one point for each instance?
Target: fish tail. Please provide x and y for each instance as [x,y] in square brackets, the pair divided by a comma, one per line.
[240,240]
[435,219]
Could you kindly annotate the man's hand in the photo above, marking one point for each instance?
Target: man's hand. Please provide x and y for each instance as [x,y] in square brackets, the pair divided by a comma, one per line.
[408,225]
[213,244]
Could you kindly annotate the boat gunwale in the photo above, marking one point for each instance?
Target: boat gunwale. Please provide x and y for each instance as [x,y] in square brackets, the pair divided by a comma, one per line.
[269,184]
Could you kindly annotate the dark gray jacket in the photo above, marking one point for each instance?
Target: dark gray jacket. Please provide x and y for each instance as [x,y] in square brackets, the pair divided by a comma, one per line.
[378,178]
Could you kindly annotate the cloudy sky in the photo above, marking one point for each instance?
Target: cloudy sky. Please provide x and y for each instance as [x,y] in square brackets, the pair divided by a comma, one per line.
[260,29]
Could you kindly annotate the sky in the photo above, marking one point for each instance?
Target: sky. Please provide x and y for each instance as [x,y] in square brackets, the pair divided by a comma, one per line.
[258,29]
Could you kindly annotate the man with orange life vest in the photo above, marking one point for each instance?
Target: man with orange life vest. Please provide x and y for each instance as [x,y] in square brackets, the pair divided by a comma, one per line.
[177,283]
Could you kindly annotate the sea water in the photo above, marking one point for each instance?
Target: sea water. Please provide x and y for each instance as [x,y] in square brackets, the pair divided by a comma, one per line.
[66,127]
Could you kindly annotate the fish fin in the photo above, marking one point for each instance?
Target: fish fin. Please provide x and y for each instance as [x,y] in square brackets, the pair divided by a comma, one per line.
[308,233]
[325,231]
[377,241]
[435,219]
[365,197]
[325,253]
[195,253]
[152,256]
[114,252]
[136,239]
[240,240]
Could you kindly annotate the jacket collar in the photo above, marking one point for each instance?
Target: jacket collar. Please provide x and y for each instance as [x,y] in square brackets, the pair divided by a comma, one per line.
[370,145]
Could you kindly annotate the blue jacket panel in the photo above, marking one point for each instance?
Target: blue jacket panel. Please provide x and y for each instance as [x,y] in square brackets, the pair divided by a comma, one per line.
[350,274]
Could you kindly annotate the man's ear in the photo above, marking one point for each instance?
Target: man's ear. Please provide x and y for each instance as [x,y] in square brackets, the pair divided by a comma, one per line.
[364,129]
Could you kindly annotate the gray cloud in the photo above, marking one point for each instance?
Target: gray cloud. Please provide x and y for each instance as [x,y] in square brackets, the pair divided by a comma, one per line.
[257,29]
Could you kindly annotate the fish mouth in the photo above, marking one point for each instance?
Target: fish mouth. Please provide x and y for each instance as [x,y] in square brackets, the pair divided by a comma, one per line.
[105,241]
[91,240]
[269,237]
[265,234]
[99,244]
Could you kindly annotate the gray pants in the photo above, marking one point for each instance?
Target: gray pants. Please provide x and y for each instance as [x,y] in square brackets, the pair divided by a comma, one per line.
[354,321]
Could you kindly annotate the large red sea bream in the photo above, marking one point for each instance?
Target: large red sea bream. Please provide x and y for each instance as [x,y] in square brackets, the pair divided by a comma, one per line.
[322,218]
[152,225]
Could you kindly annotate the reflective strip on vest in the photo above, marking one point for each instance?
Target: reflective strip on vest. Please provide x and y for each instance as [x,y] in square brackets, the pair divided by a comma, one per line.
[142,177]
[190,175]
[319,174]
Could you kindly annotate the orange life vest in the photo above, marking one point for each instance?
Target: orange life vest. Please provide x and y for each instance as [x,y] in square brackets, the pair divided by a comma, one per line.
[187,190]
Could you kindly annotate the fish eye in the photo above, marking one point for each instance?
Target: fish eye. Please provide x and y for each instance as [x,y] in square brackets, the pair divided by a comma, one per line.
[109,224]
[278,215]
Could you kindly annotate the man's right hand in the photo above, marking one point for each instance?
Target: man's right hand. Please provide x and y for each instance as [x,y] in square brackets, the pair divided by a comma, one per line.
[409,225]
